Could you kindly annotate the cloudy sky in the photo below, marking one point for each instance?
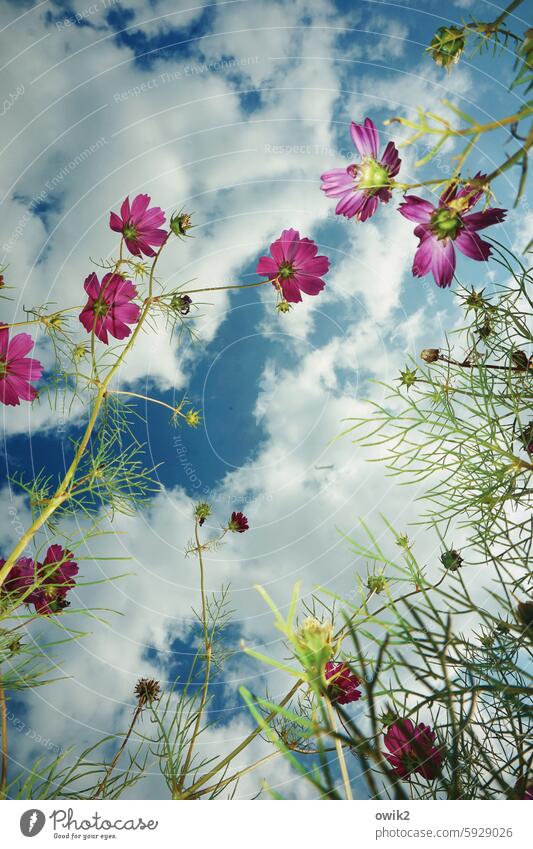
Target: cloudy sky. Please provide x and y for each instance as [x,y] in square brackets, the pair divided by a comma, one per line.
[230,110]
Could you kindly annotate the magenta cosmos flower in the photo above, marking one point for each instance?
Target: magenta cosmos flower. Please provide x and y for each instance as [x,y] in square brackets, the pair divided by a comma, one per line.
[109,308]
[412,750]
[448,226]
[342,684]
[361,187]
[140,225]
[294,266]
[238,523]
[53,578]
[16,369]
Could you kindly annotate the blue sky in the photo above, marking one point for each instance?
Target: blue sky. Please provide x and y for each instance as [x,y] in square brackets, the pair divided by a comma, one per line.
[230,110]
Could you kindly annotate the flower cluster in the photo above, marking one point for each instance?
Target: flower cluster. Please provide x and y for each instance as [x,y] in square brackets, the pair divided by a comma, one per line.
[441,229]
[46,584]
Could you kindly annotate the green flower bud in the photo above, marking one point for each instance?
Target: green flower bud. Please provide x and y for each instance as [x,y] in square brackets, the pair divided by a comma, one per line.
[408,377]
[376,583]
[315,647]
[202,511]
[447,45]
[451,560]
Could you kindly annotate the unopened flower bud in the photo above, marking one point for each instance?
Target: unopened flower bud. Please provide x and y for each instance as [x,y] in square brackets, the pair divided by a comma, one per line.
[181,304]
[519,359]
[315,647]
[524,611]
[202,511]
[376,583]
[451,560]
[430,355]
[283,306]
[408,377]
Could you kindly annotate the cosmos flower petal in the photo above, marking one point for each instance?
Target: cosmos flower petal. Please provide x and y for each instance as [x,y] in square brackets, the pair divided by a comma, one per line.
[416,209]
[472,246]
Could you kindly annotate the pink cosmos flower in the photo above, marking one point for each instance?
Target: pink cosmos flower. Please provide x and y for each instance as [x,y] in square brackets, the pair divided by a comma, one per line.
[16,369]
[53,578]
[343,683]
[294,266]
[448,226]
[140,225]
[109,308]
[412,750]
[361,187]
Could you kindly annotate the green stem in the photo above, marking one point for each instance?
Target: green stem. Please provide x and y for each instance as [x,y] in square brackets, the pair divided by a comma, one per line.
[208,652]
[338,747]
[3,774]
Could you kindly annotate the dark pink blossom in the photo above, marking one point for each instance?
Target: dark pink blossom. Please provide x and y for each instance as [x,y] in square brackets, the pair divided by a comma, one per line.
[51,580]
[342,684]
[21,577]
[412,750]
[140,225]
[109,308]
[57,574]
[294,266]
[360,187]
[16,369]
[448,226]
[238,523]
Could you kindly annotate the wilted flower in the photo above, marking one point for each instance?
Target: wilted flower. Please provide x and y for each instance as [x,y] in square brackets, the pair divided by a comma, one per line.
[361,187]
[202,511]
[447,45]
[238,523]
[16,369]
[147,690]
[109,308]
[522,790]
[451,560]
[180,224]
[430,355]
[412,750]
[139,225]
[342,684]
[294,266]
[441,229]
